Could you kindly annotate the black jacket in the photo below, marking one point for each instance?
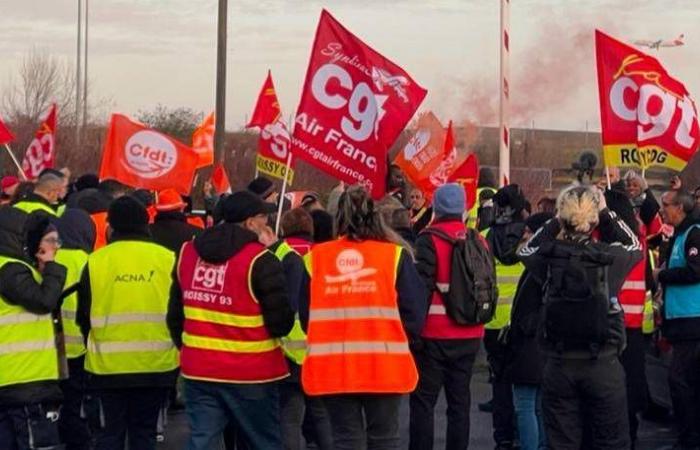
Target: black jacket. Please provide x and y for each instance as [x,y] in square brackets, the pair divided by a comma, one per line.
[219,244]
[616,240]
[525,360]
[17,287]
[423,220]
[159,379]
[687,328]
[171,230]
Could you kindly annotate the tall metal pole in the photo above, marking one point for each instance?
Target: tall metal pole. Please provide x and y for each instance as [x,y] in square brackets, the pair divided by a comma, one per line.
[504,106]
[85,77]
[78,74]
[219,131]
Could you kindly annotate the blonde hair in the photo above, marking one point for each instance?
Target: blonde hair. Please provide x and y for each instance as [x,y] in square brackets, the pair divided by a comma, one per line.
[578,209]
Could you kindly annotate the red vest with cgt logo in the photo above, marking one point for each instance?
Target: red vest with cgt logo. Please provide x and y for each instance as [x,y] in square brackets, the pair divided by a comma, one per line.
[224,338]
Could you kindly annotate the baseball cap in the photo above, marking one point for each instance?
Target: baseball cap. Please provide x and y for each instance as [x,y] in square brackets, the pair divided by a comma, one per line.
[243,205]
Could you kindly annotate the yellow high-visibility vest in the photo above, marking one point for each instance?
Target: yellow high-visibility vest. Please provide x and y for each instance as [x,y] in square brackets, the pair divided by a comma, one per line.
[27,341]
[293,344]
[507,278]
[29,207]
[130,285]
[74,260]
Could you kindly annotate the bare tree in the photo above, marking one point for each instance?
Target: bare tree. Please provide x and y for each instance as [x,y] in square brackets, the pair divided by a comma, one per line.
[42,79]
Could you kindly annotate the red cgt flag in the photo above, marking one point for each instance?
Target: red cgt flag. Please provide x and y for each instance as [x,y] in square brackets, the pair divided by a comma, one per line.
[647,117]
[468,176]
[41,152]
[219,180]
[354,104]
[274,142]
[141,157]
[203,141]
[6,135]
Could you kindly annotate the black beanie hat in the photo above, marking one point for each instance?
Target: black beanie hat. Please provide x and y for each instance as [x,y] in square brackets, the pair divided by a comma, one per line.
[86,181]
[261,186]
[127,215]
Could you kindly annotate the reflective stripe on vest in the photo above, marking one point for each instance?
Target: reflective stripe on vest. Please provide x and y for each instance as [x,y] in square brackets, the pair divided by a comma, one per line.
[635,285]
[681,301]
[31,206]
[224,337]
[27,341]
[74,261]
[356,341]
[293,344]
[507,278]
[338,348]
[130,286]
[370,312]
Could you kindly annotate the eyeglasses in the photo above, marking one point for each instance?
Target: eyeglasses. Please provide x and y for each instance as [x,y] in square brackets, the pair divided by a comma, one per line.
[53,241]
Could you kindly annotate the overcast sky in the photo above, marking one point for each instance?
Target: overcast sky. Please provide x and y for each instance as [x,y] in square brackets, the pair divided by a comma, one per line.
[145,52]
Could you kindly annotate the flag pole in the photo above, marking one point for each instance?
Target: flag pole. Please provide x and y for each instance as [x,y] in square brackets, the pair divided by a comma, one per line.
[284,191]
[607,174]
[504,104]
[19,168]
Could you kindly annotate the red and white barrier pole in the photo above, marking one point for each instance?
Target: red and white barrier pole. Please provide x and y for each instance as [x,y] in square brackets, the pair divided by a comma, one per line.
[504,104]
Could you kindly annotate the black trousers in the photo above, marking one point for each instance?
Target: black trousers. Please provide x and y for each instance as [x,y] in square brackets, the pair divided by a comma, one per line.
[585,394]
[441,364]
[634,362]
[503,410]
[29,427]
[75,433]
[128,413]
[364,421]
[684,381]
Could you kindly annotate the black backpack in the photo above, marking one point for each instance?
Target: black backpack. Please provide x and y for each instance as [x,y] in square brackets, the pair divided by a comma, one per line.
[472,294]
[576,303]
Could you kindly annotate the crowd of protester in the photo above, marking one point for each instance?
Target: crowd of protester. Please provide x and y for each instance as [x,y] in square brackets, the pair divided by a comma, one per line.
[117,304]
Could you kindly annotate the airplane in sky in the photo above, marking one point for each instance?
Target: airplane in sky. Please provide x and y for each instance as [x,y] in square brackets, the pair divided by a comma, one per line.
[656,45]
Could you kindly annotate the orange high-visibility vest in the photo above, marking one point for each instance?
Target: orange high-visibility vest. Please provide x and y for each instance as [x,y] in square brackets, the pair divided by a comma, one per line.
[356,342]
